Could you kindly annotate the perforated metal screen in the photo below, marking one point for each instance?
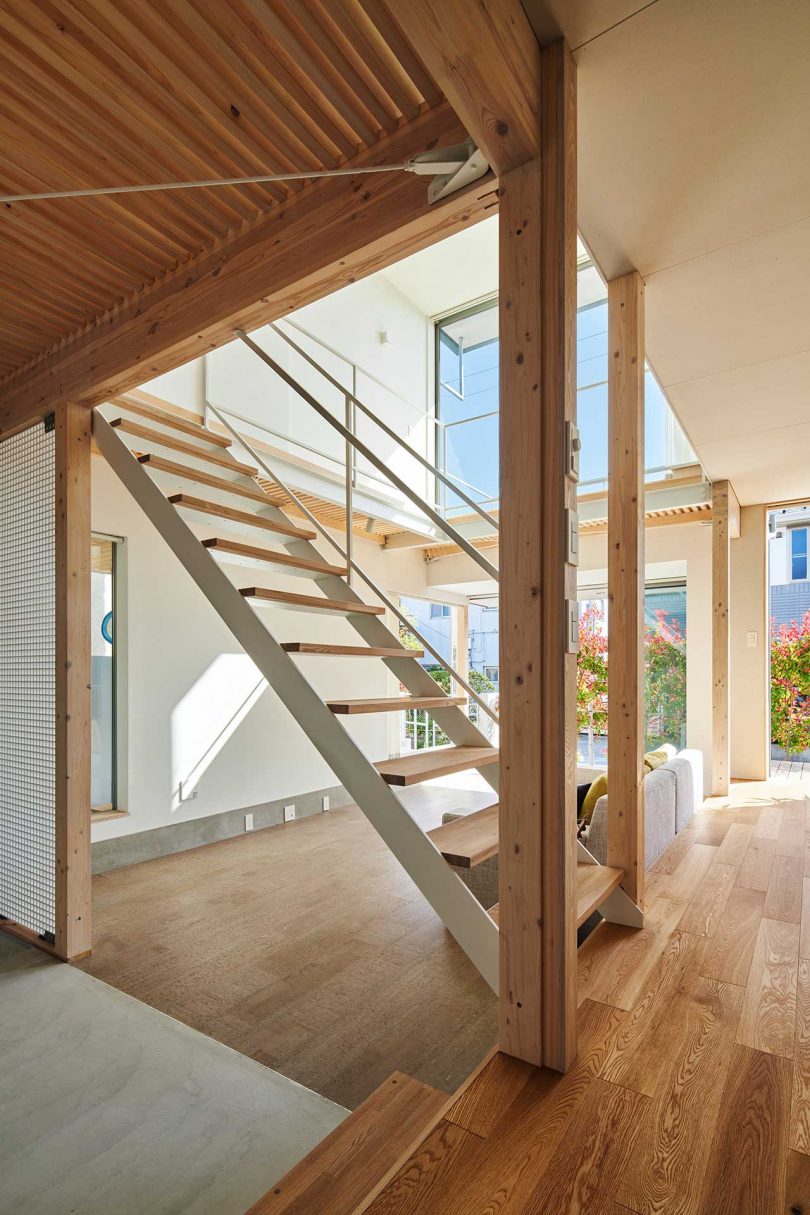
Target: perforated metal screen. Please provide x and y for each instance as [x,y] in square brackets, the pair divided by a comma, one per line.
[27,679]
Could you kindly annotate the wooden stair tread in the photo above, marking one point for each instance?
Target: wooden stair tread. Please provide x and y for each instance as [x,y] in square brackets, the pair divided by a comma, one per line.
[349,651]
[393,704]
[219,511]
[254,492]
[594,884]
[219,544]
[312,602]
[220,459]
[169,419]
[494,913]
[468,840]
[361,1155]
[425,765]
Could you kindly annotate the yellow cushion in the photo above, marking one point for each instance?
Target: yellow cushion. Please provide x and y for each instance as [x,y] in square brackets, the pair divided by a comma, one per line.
[598,789]
[654,759]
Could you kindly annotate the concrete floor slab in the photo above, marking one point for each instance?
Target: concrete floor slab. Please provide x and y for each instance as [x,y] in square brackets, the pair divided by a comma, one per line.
[107,1105]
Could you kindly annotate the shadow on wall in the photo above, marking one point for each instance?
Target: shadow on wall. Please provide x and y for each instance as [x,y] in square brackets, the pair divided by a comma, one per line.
[208,715]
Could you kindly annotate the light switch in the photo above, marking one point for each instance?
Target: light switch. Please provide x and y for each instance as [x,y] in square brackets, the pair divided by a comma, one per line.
[572,537]
[572,626]
[752,641]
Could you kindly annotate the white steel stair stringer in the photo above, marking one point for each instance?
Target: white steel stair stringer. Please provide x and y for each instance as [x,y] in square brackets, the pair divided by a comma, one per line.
[461,913]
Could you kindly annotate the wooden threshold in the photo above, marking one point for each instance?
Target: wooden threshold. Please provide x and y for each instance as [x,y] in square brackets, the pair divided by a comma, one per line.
[216,509]
[360,1156]
[308,603]
[594,884]
[220,459]
[469,840]
[236,548]
[349,651]
[198,477]
[426,765]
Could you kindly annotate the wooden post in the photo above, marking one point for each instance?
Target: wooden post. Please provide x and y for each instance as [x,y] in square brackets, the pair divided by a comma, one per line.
[538,675]
[461,642]
[73,424]
[725,526]
[626,581]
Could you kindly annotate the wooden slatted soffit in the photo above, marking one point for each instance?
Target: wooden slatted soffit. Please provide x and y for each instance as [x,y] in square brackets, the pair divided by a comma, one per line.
[96,94]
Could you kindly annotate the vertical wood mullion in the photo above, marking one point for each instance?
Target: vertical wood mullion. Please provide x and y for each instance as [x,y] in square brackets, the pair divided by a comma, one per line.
[537,679]
[626,581]
[721,593]
[73,428]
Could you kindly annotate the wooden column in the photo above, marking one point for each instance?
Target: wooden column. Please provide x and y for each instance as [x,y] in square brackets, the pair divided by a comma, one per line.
[725,527]
[73,423]
[461,641]
[538,676]
[626,581]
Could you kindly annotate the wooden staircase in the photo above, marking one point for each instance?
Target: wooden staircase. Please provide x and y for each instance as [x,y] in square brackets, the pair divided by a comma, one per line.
[212,487]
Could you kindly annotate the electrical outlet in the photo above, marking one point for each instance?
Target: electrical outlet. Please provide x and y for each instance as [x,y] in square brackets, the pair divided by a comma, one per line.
[324,804]
[248,822]
[289,814]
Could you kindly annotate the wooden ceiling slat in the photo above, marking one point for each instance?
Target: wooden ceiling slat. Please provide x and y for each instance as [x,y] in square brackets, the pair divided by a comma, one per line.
[110,42]
[251,42]
[256,102]
[304,61]
[95,93]
[244,156]
[148,248]
[336,58]
[110,146]
[351,29]
[140,124]
[402,50]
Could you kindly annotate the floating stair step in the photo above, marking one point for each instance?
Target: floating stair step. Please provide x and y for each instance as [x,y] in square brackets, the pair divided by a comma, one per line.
[393,704]
[198,476]
[353,1164]
[198,506]
[469,840]
[147,439]
[308,603]
[249,554]
[426,765]
[164,418]
[349,651]
[594,884]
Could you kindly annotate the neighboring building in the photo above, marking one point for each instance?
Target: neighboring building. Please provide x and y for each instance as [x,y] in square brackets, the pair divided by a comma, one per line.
[789,563]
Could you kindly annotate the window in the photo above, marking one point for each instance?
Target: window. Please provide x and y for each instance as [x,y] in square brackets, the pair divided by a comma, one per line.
[491,674]
[798,554]
[439,610]
[102,678]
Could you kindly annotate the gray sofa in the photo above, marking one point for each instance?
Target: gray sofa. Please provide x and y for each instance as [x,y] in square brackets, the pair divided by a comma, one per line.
[672,793]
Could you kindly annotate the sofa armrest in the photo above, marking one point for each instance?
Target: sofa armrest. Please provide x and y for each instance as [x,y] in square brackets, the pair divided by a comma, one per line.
[597,841]
[695,760]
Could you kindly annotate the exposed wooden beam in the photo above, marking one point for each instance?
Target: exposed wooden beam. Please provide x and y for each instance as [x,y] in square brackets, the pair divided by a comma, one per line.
[325,236]
[538,677]
[486,59]
[626,580]
[72,541]
[725,521]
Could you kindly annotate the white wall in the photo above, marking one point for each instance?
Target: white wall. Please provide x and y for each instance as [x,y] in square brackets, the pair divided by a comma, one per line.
[187,677]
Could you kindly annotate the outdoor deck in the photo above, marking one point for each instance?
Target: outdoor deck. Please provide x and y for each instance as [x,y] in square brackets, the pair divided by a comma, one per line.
[784,769]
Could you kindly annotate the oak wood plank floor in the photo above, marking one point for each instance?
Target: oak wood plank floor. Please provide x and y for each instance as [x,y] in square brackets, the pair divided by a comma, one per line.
[690,1094]
[306,947]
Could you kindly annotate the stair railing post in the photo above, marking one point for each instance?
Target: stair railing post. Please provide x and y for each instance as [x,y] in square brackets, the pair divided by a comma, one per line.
[349,422]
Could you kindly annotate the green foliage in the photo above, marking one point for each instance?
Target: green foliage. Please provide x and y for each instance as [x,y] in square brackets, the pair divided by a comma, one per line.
[665,677]
[790,685]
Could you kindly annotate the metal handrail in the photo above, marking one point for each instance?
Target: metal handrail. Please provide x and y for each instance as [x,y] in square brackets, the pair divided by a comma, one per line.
[358,569]
[422,413]
[443,526]
[386,429]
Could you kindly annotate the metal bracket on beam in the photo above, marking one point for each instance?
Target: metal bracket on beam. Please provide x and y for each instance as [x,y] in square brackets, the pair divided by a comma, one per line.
[451,168]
